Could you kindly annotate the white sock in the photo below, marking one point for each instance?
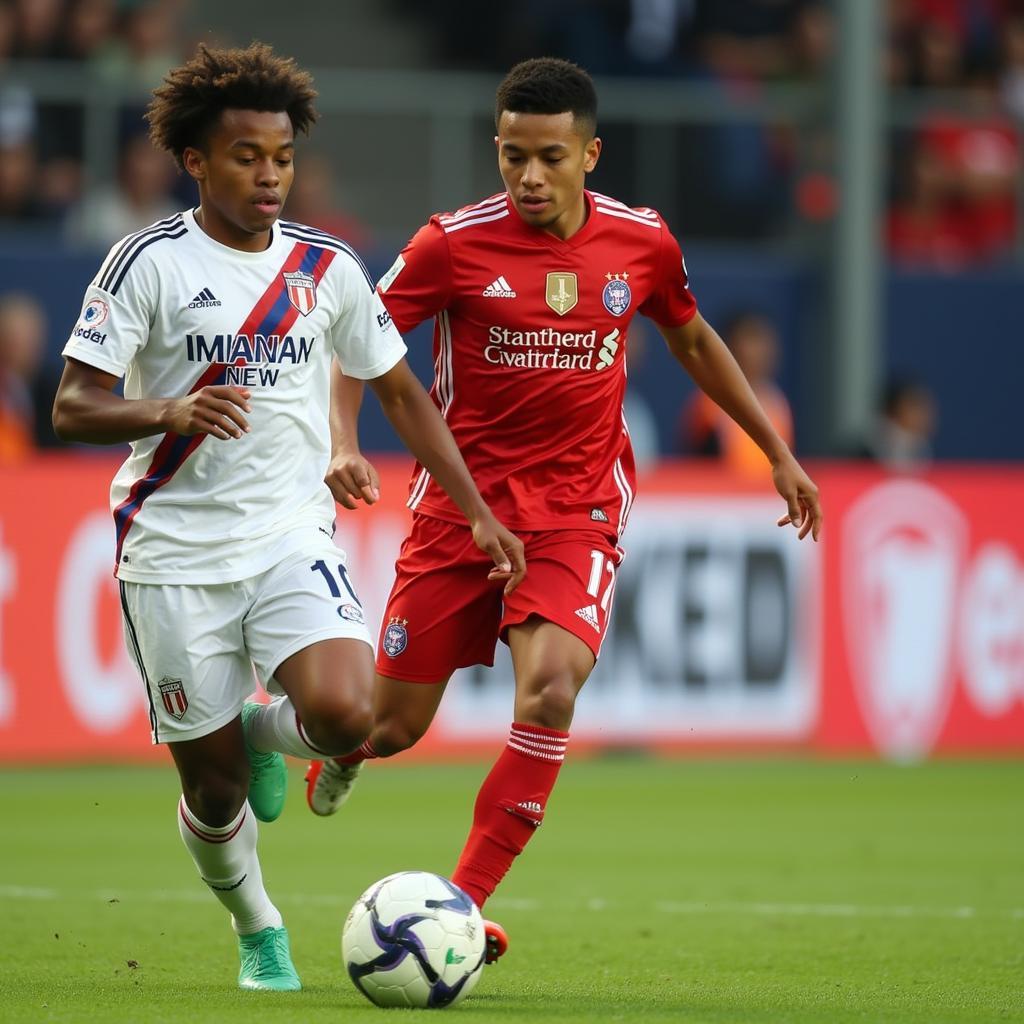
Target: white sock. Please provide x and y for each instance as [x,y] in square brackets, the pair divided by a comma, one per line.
[228,864]
[276,726]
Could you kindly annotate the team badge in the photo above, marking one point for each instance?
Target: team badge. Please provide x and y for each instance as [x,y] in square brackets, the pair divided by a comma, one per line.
[301,291]
[95,313]
[616,295]
[561,293]
[172,693]
[396,637]
[351,612]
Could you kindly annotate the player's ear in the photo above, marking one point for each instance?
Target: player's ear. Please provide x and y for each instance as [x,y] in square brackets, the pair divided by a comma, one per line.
[591,153]
[194,163]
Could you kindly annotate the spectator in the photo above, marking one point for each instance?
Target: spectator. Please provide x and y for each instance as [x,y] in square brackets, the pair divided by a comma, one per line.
[901,437]
[140,197]
[22,337]
[312,200]
[706,430]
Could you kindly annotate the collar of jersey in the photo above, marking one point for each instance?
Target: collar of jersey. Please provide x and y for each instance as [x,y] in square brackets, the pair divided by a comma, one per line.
[558,244]
[241,255]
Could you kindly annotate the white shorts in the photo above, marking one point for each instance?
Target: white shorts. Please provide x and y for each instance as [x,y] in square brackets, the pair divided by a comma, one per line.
[196,645]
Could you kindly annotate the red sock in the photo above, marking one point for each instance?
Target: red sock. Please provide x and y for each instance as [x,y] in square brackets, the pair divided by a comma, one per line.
[509,807]
[363,753]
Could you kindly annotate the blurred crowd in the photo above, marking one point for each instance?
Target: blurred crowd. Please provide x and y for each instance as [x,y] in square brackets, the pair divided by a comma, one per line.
[954,172]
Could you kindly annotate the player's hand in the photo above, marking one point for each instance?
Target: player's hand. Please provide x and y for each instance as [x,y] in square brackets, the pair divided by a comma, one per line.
[352,478]
[215,410]
[504,547]
[801,497]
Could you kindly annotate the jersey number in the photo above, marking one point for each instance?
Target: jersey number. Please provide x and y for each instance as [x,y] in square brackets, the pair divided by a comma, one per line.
[320,566]
[598,567]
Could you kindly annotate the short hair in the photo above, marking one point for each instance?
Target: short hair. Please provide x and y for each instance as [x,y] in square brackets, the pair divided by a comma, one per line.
[193,96]
[548,85]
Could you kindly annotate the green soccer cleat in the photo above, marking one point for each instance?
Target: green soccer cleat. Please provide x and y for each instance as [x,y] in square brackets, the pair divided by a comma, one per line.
[268,774]
[267,962]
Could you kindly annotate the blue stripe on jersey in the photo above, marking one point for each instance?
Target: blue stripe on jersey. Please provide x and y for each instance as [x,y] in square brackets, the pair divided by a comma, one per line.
[316,237]
[167,224]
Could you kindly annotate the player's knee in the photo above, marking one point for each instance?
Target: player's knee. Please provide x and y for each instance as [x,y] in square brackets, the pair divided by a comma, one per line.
[337,723]
[393,735]
[215,798]
[549,702]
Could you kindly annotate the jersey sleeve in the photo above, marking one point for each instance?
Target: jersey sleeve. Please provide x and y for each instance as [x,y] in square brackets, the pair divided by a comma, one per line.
[364,337]
[419,283]
[671,303]
[115,320]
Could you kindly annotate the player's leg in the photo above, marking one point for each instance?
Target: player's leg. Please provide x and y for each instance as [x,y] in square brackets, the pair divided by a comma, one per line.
[442,614]
[555,622]
[197,676]
[308,641]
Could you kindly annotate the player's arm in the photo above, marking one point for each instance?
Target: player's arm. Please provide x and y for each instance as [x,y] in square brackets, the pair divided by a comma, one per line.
[350,476]
[86,408]
[707,359]
[418,423]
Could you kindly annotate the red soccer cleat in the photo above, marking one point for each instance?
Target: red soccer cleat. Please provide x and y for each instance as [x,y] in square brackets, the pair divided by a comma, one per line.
[497,941]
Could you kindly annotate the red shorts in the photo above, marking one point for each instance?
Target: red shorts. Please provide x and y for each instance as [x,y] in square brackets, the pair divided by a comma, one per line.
[443,613]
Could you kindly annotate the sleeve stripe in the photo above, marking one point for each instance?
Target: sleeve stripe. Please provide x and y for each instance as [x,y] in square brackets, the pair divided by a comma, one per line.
[110,267]
[112,289]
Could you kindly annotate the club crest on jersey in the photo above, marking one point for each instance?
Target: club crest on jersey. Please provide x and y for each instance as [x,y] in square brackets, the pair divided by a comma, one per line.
[561,292]
[172,693]
[616,295]
[301,291]
[396,637]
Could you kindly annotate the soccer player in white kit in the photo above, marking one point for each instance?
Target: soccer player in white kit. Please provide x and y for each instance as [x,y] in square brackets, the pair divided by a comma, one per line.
[222,322]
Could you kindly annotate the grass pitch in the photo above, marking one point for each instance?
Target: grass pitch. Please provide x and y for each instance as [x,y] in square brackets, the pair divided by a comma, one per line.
[684,891]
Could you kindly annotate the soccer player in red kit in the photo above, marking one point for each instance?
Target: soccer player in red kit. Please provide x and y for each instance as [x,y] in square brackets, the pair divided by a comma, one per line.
[532,292]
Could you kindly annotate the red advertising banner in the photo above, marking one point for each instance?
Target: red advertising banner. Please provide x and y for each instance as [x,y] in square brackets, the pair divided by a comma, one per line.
[902,633]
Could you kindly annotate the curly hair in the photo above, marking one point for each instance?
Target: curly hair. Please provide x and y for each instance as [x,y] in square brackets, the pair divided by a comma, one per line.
[193,96]
[549,85]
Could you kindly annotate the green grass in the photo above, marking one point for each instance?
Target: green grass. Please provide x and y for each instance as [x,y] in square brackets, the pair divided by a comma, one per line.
[689,891]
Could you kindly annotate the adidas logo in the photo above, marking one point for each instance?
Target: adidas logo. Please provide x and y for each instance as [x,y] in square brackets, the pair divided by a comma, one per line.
[589,615]
[499,288]
[203,299]
[598,515]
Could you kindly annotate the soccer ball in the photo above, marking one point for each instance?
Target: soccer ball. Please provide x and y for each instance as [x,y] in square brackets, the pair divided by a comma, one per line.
[414,939]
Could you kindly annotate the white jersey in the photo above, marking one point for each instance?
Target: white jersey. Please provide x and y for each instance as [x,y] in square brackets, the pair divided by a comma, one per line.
[171,310]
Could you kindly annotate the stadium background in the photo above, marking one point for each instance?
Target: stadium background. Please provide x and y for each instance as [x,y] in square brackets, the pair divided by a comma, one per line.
[851,172]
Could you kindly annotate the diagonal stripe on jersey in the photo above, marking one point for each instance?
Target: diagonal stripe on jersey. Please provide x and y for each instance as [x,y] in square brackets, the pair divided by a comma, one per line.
[272,314]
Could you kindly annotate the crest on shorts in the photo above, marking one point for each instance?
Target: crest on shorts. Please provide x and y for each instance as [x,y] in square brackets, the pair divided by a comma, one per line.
[396,637]
[562,292]
[351,612]
[616,295]
[172,693]
[301,291]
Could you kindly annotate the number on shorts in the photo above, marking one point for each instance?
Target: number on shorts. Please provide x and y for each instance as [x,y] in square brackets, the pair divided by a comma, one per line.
[598,567]
[320,566]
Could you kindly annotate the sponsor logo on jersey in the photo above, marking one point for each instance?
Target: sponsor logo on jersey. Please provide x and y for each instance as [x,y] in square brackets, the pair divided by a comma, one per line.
[396,636]
[383,319]
[588,614]
[550,349]
[252,360]
[301,290]
[609,346]
[386,281]
[204,299]
[351,612]
[561,292]
[95,313]
[616,295]
[598,515]
[499,288]
[89,334]
[172,693]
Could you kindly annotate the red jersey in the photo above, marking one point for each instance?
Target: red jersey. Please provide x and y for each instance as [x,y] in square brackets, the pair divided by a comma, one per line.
[530,342]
